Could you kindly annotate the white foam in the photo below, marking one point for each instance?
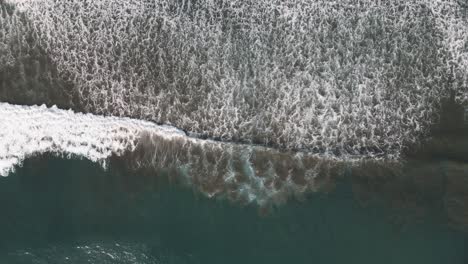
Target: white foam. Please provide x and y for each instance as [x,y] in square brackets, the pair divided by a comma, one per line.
[30,130]
[345,96]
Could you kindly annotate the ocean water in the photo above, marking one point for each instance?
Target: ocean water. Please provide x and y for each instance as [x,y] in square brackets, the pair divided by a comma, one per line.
[58,210]
[233,131]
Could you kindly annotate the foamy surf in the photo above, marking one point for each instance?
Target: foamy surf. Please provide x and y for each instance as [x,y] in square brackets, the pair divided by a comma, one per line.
[30,130]
[346,77]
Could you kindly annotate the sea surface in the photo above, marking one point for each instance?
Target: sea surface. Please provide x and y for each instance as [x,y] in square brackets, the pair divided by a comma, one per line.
[57,210]
[233,131]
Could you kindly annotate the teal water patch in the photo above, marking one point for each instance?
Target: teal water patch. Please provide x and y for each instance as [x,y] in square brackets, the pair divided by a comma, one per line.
[71,211]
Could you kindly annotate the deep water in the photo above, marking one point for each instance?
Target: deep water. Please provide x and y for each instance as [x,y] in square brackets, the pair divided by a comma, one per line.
[57,210]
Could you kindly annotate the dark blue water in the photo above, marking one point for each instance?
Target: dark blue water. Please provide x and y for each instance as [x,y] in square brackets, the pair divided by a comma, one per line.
[71,211]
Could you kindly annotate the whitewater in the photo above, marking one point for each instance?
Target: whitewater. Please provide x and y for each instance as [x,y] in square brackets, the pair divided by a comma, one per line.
[348,78]
[32,130]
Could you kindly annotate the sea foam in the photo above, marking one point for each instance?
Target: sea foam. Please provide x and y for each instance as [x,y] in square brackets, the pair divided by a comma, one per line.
[347,77]
[30,130]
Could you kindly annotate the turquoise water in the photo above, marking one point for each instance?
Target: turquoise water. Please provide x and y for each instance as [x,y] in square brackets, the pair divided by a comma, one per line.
[71,211]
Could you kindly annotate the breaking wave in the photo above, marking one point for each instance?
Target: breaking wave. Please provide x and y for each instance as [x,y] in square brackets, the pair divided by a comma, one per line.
[245,173]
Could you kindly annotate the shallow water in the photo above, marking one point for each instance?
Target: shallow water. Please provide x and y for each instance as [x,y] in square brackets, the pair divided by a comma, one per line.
[71,211]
